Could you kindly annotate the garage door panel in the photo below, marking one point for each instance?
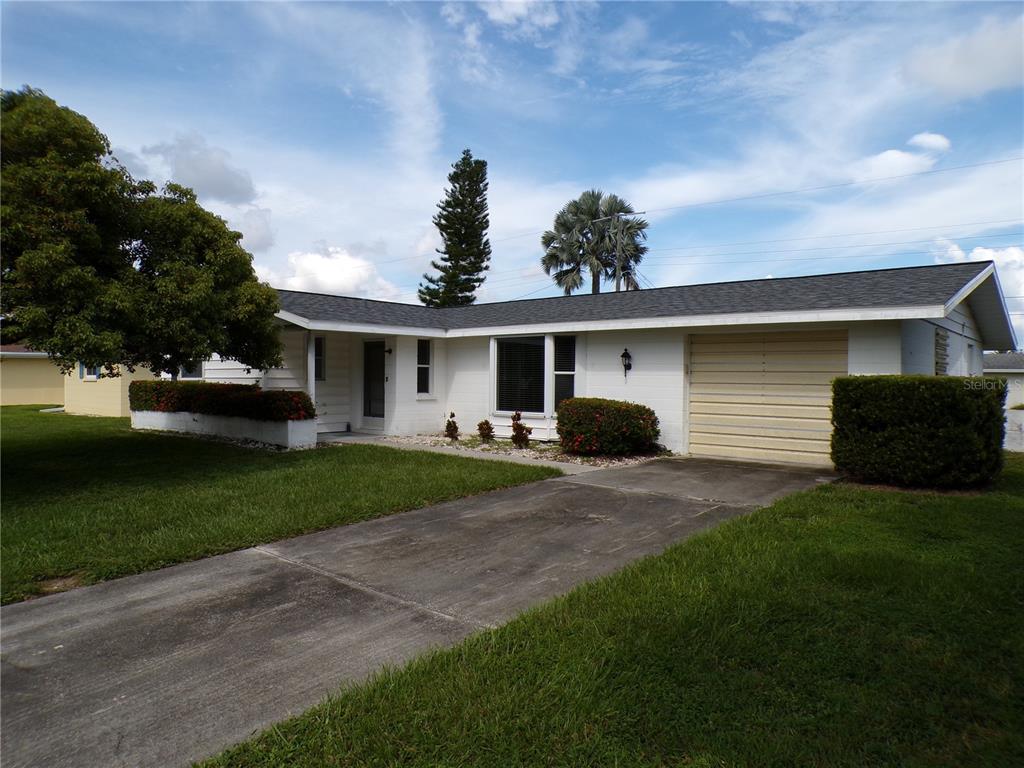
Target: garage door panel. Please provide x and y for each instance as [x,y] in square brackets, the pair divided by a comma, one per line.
[703,408]
[763,426]
[763,391]
[793,347]
[746,398]
[727,379]
[740,364]
[756,454]
[764,396]
[766,444]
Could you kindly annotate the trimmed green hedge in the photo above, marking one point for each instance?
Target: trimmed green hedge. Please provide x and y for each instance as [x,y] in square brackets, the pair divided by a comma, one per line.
[591,425]
[918,431]
[244,400]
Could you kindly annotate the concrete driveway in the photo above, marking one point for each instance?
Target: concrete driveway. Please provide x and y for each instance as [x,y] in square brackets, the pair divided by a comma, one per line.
[169,667]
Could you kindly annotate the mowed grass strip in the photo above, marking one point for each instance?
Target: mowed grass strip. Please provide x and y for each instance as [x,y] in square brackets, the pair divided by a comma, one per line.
[87,498]
[840,627]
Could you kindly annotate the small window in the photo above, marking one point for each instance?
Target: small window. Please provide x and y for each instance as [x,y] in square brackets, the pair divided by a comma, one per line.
[423,366]
[319,358]
[89,372]
[520,374]
[194,371]
[565,368]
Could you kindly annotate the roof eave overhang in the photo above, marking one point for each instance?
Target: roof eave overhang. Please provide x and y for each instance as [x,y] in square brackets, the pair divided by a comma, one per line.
[844,315]
[984,296]
[365,328]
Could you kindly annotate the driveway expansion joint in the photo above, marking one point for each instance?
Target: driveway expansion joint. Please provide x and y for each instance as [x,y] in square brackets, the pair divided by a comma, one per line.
[373,591]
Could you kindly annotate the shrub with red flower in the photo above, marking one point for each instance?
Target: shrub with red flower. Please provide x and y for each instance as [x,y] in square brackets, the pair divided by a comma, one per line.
[242,400]
[591,425]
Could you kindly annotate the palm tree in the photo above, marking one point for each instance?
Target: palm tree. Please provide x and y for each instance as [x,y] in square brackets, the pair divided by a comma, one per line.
[592,234]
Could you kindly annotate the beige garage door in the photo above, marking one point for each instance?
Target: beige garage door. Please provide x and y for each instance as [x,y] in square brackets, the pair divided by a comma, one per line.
[764,396]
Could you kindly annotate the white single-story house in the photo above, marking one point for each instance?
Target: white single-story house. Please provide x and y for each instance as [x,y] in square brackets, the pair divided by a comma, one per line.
[1009,366]
[734,370]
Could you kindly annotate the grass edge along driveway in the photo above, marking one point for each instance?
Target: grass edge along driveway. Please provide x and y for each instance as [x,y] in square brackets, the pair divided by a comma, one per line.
[842,626]
[87,499]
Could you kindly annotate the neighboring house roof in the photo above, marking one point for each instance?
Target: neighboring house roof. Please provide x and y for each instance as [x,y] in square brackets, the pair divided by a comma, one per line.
[914,291]
[19,350]
[1004,361]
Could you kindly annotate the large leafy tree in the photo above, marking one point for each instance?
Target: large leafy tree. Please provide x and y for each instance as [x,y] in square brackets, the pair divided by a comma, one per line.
[598,235]
[463,221]
[109,271]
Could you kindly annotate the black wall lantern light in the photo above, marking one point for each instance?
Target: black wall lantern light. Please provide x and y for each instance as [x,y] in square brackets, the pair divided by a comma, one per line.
[627,362]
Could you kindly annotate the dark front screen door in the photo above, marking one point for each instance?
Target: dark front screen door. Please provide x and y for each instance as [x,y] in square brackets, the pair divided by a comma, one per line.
[373,379]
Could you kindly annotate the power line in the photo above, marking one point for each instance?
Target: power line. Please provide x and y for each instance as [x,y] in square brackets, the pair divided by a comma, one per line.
[819,258]
[842,234]
[837,247]
[802,190]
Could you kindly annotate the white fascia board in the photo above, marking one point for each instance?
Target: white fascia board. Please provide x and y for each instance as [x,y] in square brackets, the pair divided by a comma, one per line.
[1004,370]
[689,321]
[29,355]
[1006,309]
[366,328]
[968,289]
[936,311]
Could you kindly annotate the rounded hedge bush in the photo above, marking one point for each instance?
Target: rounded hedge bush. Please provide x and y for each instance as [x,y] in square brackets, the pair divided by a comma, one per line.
[591,425]
[242,400]
[919,431]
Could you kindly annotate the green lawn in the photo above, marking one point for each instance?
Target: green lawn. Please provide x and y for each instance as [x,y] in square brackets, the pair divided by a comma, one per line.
[88,498]
[841,626]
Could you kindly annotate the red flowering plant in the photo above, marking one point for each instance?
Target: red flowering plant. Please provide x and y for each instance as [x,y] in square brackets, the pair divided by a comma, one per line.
[591,426]
[242,400]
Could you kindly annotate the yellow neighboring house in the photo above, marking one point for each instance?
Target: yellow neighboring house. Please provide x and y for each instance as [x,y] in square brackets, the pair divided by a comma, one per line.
[88,393]
[28,377]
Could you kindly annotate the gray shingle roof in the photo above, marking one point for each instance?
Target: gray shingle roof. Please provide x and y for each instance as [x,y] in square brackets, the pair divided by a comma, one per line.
[1000,361]
[903,287]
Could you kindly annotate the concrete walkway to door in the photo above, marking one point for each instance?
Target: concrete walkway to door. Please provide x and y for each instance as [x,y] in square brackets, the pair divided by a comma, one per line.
[172,666]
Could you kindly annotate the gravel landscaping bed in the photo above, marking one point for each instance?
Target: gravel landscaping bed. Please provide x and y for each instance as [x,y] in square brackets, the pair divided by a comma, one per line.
[537,450]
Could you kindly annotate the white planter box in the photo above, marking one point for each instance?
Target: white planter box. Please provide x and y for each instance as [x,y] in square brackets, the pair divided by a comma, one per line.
[1014,431]
[289,434]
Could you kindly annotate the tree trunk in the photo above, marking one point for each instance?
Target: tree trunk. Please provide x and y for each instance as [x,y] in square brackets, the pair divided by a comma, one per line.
[595,282]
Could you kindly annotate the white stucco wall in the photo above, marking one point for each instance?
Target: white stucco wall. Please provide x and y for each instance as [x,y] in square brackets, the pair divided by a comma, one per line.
[657,379]
[965,345]
[918,339]
[875,348]
[410,412]
[467,380]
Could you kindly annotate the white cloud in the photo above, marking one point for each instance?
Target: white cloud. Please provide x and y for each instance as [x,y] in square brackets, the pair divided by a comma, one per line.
[987,59]
[257,229]
[892,162]
[1009,266]
[363,53]
[522,17]
[330,270]
[930,142]
[208,170]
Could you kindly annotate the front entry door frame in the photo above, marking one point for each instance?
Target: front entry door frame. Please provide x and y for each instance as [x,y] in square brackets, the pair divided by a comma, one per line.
[374,383]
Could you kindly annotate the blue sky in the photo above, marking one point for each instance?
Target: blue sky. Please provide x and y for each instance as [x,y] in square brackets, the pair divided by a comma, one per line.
[324,131]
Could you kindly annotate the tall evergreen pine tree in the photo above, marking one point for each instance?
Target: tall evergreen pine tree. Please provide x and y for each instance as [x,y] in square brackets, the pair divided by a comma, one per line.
[462,221]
